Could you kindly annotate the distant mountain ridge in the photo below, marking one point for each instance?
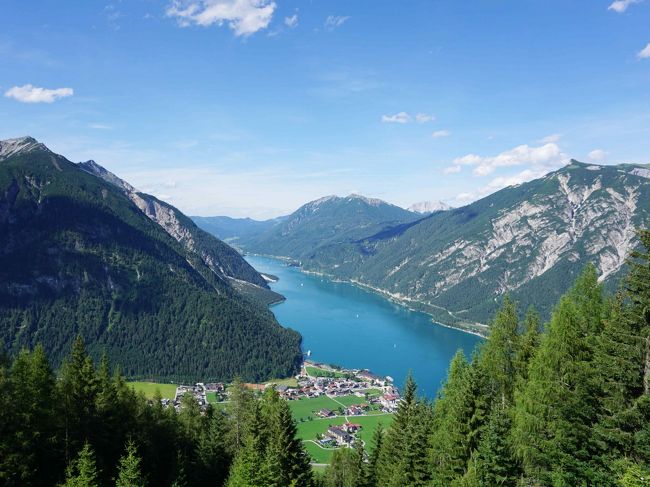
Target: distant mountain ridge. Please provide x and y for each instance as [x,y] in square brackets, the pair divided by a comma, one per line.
[528,240]
[327,223]
[82,252]
[428,207]
[232,229]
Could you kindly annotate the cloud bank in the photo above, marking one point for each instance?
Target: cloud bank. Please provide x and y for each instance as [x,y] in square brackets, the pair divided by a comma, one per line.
[33,94]
[244,17]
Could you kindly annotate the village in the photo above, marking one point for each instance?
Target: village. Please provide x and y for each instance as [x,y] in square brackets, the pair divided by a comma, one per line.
[331,405]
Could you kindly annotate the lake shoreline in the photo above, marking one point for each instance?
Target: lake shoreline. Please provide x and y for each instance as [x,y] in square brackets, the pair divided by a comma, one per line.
[404,302]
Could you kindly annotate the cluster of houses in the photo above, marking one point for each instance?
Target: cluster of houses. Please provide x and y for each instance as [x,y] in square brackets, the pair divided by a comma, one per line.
[199,391]
[346,383]
[340,435]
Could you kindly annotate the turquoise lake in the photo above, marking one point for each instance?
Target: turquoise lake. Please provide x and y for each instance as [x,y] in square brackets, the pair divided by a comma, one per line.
[345,325]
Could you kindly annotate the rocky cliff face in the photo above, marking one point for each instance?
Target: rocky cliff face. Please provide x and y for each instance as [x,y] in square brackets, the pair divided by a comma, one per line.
[529,240]
[219,257]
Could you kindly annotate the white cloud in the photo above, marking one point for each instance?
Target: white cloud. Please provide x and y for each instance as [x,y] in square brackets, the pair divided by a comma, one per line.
[645,52]
[620,6]
[33,94]
[501,182]
[334,21]
[244,17]
[404,117]
[597,155]
[401,117]
[547,157]
[424,118]
[451,169]
[292,21]
[440,133]
[100,126]
[551,138]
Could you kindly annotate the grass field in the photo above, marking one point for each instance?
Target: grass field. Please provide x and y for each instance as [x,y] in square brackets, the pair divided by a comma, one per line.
[316,372]
[317,454]
[290,382]
[149,388]
[351,400]
[310,429]
[303,408]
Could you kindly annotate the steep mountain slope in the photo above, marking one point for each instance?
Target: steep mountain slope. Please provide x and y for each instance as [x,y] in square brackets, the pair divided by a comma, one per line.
[220,258]
[86,254]
[233,229]
[327,223]
[529,240]
[428,207]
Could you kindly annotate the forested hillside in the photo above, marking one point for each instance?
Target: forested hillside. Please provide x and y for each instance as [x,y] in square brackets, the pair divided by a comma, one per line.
[79,256]
[323,227]
[564,404]
[530,241]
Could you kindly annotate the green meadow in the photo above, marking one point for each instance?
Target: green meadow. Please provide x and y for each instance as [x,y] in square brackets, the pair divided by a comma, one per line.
[149,389]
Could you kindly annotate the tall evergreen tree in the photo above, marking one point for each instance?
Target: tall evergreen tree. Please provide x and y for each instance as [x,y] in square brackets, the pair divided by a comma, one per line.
[240,408]
[558,407]
[345,469]
[28,452]
[213,457]
[450,447]
[494,462]
[130,472]
[83,471]
[371,471]
[498,356]
[287,461]
[249,468]
[78,389]
[638,340]
[528,344]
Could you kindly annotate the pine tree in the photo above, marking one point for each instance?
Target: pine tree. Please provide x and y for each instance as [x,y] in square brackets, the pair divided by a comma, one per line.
[392,451]
[450,447]
[213,458]
[556,410]
[28,445]
[371,472]
[239,410]
[528,344]
[287,461]
[344,470]
[249,468]
[83,471]
[498,355]
[129,473]
[638,291]
[494,461]
[412,468]
[78,390]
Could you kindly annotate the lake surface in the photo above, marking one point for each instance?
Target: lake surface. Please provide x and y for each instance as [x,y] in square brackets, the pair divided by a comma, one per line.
[345,325]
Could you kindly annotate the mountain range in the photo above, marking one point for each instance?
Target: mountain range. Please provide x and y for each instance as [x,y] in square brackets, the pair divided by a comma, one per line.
[83,252]
[528,241]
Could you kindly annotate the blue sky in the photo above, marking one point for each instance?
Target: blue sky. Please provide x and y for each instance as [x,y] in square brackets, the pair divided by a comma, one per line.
[253,107]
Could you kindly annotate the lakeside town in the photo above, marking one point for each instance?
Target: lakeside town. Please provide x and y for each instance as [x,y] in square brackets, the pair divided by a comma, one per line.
[331,405]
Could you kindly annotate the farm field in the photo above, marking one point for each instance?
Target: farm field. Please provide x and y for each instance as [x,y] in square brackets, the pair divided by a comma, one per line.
[350,400]
[167,391]
[309,429]
[317,454]
[306,407]
[317,372]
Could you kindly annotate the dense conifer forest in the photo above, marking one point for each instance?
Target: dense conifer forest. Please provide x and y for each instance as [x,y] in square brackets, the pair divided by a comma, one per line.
[561,404]
[78,257]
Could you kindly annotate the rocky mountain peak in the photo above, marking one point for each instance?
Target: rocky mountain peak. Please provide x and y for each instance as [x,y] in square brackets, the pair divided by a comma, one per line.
[428,207]
[19,145]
